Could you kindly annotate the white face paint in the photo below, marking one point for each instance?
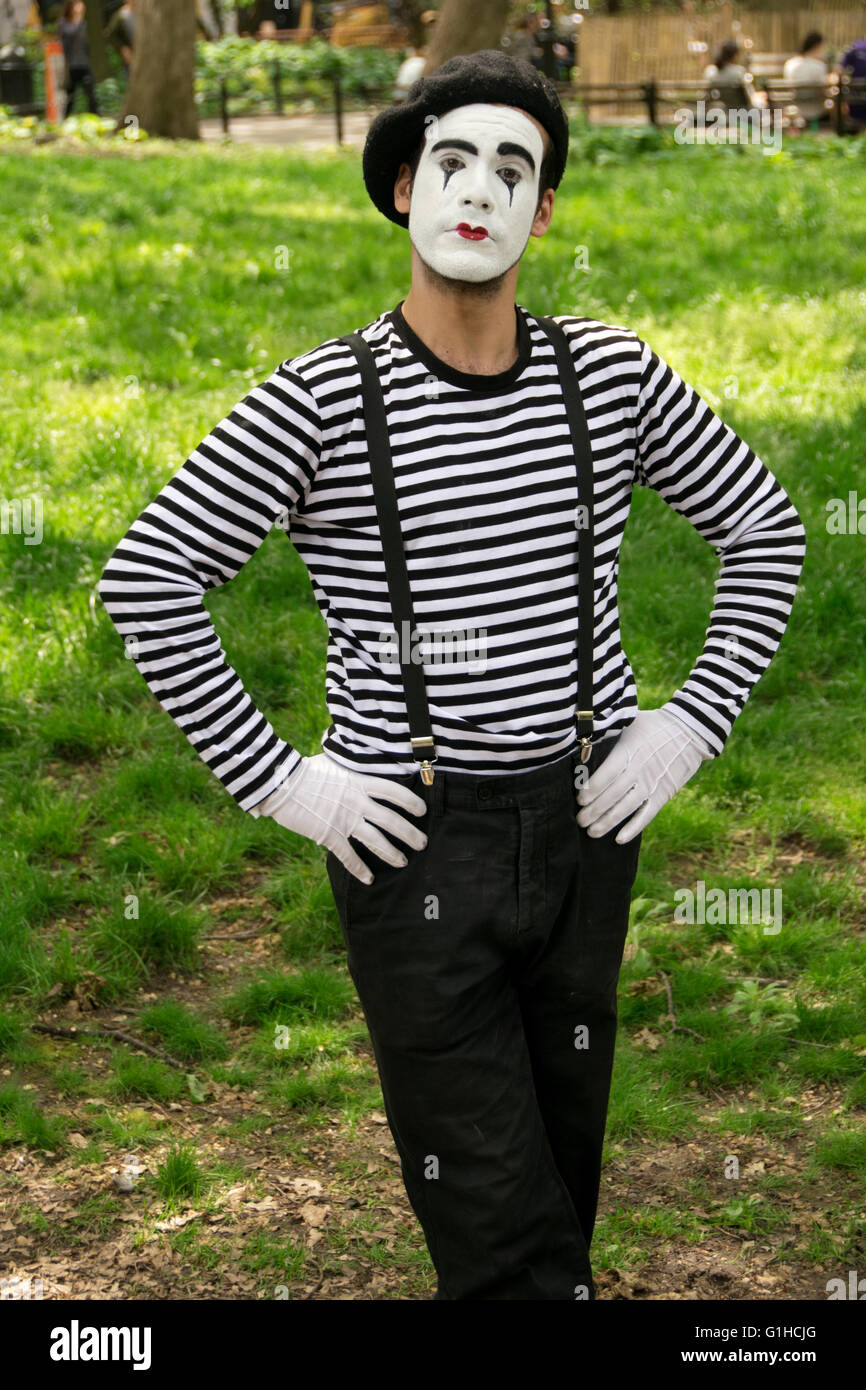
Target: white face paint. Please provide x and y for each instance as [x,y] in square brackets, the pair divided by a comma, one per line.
[495,188]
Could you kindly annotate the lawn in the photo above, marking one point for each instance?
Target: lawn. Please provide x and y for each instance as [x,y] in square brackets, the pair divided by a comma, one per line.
[245,1154]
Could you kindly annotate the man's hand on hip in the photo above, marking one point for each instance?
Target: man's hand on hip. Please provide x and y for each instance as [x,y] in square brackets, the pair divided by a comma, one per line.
[328,803]
[653,759]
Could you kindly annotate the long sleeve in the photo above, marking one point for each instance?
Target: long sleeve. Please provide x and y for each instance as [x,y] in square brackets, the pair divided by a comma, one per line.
[197,533]
[704,470]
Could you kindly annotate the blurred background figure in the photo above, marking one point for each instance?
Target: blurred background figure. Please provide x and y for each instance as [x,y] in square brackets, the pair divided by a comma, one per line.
[408,72]
[523,40]
[415,61]
[564,48]
[808,69]
[854,63]
[72,32]
[729,78]
[121,32]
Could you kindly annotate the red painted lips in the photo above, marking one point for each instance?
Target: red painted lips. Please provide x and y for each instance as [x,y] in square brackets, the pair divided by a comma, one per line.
[471,233]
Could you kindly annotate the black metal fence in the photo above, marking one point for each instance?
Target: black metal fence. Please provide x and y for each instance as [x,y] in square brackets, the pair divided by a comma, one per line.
[375,96]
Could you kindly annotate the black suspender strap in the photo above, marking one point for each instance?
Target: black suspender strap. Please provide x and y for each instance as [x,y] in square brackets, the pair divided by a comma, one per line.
[584,526]
[385,493]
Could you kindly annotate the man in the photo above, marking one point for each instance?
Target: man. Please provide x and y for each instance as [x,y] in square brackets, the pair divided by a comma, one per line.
[808,69]
[483,890]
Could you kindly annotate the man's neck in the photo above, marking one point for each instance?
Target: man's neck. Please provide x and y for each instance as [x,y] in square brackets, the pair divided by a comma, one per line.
[472,327]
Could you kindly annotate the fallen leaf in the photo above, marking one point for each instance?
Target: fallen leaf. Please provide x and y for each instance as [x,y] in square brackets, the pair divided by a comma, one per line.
[175,1222]
[313,1214]
[307,1187]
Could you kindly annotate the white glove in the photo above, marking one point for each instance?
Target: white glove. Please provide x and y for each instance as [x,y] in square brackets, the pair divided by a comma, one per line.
[653,758]
[328,803]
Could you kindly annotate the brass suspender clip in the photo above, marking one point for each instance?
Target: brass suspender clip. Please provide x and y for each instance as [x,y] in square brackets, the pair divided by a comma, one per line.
[585,743]
[426,765]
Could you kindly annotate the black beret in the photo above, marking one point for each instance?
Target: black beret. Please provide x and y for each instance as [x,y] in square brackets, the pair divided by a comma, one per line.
[487,76]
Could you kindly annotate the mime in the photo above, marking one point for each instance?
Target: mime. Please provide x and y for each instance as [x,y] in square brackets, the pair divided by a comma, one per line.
[460,463]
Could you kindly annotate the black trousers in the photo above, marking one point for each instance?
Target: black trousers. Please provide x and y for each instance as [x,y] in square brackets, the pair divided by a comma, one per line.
[487,969]
[81,77]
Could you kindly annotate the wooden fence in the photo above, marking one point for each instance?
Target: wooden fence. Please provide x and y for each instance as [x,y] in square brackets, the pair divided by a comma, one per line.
[637,47]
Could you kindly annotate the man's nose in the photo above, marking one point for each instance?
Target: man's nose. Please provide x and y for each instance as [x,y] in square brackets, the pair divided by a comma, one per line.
[476,190]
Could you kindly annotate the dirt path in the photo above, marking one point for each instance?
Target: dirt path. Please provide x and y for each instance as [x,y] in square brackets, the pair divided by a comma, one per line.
[309,132]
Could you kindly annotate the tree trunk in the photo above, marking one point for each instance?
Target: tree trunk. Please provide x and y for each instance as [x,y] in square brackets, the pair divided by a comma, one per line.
[99,64]
[161,93]
[463,28]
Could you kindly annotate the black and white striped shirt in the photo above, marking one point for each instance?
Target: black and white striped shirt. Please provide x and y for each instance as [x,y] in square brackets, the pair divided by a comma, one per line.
[486,487]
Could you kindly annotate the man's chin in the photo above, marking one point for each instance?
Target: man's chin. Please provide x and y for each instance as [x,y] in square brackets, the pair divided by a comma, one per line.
[467,276]
[480,275]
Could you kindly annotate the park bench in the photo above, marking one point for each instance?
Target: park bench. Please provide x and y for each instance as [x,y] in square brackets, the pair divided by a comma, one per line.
[786,98]
[767,64]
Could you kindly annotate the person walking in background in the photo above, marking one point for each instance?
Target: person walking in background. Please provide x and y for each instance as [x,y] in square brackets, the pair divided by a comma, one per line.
[854,63]
[72,32]
[121,32]
[808,69]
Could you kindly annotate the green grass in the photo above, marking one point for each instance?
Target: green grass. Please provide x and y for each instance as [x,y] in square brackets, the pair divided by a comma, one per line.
[316,1089]
[145,1078]
[844,1150]
[23,1121]
[620,1238]
[179,1178]
[13,1032]
[94,1218]
[125,1129]
[181,1033]
[286,998]
[140,301]
[280,1260]
[278,1047]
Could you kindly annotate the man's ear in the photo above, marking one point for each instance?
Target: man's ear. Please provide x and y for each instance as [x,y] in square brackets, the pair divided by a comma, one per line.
[401,188]
[544,214]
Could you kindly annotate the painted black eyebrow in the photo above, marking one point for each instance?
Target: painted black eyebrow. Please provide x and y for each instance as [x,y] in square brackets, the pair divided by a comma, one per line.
[505,148]
[517,150]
